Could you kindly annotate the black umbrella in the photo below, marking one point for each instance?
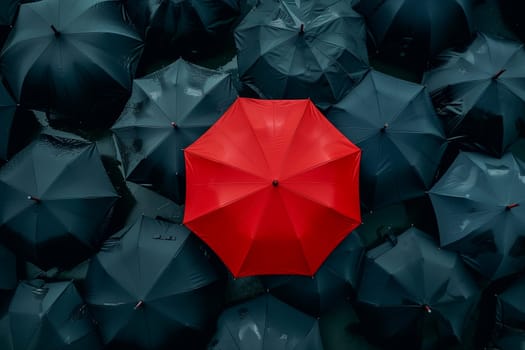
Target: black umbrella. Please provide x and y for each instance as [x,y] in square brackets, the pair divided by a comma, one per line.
[300,49]
[152,286]
[16,125]
[48,316]
[8,277]
[165,23]
[333,283]
[54,196]
[480,209]
[412,293]
[168,110]
[266,323]
[401,137]
[418,29]
[73,59]
[480,92]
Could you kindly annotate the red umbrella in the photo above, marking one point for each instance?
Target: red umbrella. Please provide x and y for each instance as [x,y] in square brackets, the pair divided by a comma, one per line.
[272,187]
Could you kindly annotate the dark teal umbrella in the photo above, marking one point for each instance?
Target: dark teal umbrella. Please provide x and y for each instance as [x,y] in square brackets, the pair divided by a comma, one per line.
[153,286]
[168,110]
[47,316]
[479,92]
[302,49]
[266,323]
[414,295]
[480,209]
[54,197]
[402,139]
[8,278]
[72,59]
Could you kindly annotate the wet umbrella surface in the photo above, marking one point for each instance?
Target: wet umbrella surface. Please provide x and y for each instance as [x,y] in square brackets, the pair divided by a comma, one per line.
[412,293]
[73,59]
[480,92]
[302,49]
[54,196]
[480,209]
[48,316]
[168,110]
[152,286]
[272,187]
[266,323]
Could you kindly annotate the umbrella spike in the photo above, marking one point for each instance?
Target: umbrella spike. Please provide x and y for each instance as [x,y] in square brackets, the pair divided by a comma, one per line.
[301,31]
[498,74]
[427,308]
[35,199]
[55,30]
[139,304]
[513,205]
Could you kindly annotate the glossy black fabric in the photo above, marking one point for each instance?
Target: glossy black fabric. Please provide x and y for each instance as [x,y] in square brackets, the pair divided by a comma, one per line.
[73,59]
[413,293]
[399,133]
[54,196]
[265,323]
[480,210]
[168,110]
[333,283]
[480,92]
[47,316]
[302,49]
[152,286]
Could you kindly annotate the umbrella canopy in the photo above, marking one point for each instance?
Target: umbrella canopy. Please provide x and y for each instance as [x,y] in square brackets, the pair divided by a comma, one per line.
[480,210]
[302,49]
[480,92]
[401,137]
[8,277]
[15,125]
[48,316]
[73,59]
[7,17]
[167,22]
[330,286]
[54,196]
[272,187]
[410,287]
[151,286]
[168,110]
[266,323]
[417,28]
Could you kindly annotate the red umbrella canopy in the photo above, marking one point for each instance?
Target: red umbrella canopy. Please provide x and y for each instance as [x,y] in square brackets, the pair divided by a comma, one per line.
[272,187]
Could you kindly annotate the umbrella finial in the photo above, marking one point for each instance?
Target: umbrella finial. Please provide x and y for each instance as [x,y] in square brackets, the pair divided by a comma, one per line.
[301,31]
[383,129]
[497,75]
[55,30]
[513,205]
[427,308]
[275,183]
[35,199]
[173,124]
[140,303]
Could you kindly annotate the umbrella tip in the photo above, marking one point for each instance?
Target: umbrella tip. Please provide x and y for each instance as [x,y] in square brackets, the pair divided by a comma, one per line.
[427,308]
[139,304]
[55,30]
[275,183]
[173,124]
[513,205]
[385,126]
[498,74]
[35,199]
[301,31]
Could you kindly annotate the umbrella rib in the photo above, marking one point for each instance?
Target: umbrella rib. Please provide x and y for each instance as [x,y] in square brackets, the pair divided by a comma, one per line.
[320,164]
